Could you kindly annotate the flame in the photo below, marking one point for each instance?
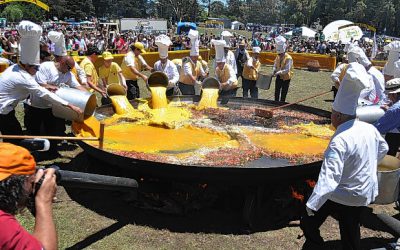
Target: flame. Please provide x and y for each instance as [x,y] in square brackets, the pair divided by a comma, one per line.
[311,183]
[297,195]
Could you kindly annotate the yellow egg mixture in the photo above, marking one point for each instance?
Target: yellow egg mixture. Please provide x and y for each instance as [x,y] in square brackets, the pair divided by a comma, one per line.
[166,129]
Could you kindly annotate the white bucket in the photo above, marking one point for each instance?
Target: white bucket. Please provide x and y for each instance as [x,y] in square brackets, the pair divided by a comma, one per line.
[388,180]
[369,113]
[84,100]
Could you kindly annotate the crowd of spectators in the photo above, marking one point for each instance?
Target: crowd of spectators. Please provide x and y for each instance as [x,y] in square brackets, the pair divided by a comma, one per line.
[78,39]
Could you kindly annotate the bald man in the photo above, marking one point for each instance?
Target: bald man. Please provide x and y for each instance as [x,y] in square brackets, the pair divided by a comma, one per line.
[51,75]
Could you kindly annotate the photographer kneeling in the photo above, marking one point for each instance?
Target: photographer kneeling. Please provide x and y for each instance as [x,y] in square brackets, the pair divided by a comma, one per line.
[18,178]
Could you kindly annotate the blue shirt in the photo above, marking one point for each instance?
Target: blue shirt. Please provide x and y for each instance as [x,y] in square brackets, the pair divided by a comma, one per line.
[390,121]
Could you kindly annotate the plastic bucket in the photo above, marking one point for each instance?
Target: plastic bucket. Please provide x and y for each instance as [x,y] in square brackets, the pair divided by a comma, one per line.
[85,100]
[264,81]
[369,113]
[115,89]
[388,180]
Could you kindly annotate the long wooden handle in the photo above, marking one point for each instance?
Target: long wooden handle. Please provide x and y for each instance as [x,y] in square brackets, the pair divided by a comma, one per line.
[301,100]
[68,138]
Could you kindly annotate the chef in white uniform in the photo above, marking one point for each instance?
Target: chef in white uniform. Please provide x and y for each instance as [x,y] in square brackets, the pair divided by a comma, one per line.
[60,51]
[229,55]
[51,75]
[17,82]
[348,180]
[165,65]
[377,78]
[224,72]
[393,57]
[368,95]
[192,70]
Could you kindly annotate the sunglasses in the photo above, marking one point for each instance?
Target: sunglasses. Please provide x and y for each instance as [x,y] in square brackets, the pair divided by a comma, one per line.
[69,67]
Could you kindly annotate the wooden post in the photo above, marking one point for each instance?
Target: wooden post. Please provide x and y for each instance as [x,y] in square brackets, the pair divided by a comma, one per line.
[101,137]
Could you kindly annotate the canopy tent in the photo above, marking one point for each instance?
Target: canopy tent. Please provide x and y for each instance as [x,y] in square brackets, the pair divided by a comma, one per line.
[185,27]
[236,25]
[304,31]
[334,34]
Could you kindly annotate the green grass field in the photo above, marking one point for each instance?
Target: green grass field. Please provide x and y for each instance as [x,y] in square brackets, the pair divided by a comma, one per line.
[102,220]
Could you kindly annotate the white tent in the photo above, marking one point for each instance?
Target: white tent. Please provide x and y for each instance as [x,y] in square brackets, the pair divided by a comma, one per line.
[305,31]
[236,24]
[333,34]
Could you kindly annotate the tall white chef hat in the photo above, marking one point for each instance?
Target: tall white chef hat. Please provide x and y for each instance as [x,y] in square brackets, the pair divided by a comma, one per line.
[30,44]
[355,80]
[280,44]
[394,52]
[353,52]
[396,69]
[357,54]
[363,59]
[59,43]
[194,41]
[219,50]
[163,42]
[226,35]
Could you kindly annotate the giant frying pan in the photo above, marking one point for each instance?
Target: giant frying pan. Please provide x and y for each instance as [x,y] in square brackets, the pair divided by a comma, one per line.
[259,171]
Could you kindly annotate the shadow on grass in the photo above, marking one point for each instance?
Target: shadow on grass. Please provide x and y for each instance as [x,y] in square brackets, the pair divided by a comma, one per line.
[366,243]
[193,208]
[189,208]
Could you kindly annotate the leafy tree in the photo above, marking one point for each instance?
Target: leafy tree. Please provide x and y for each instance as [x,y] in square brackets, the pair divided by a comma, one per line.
[13,13]
[217,9]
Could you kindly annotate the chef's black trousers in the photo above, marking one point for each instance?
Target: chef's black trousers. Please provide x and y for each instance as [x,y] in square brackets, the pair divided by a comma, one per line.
[133,89]
[349,224]
[249,85]
[9,125]
[281,89]
[42,122]
[186,89]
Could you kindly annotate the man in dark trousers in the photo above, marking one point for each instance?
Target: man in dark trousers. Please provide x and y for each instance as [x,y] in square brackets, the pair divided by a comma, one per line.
[348,178]
[283,70]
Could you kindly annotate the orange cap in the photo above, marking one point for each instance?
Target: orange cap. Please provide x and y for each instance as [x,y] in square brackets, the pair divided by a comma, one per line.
[15,160]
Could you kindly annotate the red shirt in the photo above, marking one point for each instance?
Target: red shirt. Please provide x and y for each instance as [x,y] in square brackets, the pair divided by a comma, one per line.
[14,236]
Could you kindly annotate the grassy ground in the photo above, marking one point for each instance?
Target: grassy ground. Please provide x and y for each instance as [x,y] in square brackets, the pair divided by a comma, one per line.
[103,220]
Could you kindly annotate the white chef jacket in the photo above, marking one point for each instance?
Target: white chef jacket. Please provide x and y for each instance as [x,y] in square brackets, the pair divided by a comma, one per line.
[369,93]
[231,60]
[169,69]
[187,70]
[16,84]
[49,74]
[336,73]
[232,75]
[81,74]
[379,83]
[349,171]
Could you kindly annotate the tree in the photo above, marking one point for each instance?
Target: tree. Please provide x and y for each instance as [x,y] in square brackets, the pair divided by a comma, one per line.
[79,9]
[13,13]
[182,10]
[217,9]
